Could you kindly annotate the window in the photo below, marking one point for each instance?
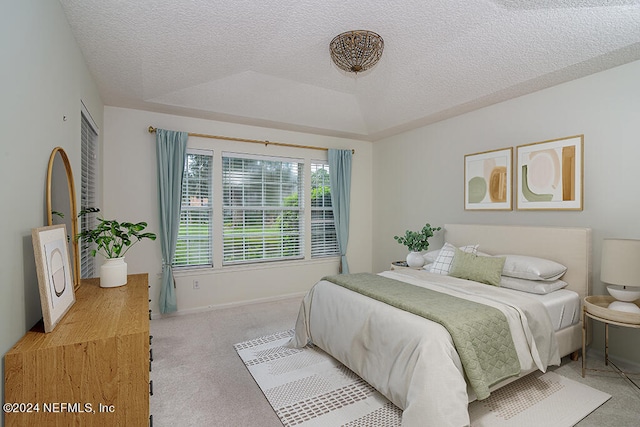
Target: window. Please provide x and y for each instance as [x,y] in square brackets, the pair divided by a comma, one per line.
[88,160]
[193,247]
[324,241]
[262,208]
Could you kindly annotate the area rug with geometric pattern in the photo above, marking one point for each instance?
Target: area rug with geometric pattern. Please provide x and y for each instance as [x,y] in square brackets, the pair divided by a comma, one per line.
[307,387]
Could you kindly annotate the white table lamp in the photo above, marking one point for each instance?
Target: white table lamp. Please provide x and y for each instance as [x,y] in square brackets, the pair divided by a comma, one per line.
[621,269]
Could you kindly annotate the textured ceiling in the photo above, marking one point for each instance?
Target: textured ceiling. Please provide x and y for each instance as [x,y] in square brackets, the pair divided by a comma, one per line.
[267,62]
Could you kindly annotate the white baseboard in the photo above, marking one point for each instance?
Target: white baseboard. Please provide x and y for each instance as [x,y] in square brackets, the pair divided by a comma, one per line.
[227,305]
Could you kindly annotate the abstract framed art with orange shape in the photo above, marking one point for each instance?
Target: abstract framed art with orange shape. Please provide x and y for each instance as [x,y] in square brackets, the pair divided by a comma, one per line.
[487,180]
[550,174]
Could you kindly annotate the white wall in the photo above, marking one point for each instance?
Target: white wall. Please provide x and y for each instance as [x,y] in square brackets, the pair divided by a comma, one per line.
[43,78]
[418,175]
[130,194]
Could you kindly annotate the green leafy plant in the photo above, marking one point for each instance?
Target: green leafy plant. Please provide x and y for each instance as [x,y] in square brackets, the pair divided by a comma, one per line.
[112,238]
[417,241]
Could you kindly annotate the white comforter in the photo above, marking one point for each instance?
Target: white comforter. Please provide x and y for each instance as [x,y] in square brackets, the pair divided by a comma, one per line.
[410,360]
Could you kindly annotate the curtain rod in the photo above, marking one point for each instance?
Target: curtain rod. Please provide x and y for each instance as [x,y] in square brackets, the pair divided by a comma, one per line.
[254,141]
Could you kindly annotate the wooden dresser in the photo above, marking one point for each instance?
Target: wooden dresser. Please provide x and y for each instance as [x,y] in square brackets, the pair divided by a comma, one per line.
[92,369]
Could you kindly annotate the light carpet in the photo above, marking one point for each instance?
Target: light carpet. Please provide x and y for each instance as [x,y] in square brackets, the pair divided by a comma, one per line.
[307,387]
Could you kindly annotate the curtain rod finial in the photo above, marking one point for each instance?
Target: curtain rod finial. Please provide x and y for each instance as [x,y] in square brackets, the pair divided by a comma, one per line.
[152,129]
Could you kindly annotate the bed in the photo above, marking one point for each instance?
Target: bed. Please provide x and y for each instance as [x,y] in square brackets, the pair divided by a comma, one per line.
[413,361]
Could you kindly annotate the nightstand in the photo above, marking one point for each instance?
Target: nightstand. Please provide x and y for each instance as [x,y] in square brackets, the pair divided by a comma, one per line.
[595,307]
[399,265]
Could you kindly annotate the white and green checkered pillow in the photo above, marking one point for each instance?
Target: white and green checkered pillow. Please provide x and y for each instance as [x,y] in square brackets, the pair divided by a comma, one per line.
[442,264]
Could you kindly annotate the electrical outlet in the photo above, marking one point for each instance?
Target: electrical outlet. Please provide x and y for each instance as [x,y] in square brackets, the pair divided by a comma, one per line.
[196,284]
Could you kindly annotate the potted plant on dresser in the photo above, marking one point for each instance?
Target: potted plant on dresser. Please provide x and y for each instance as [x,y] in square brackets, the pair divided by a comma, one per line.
[112,239]
[417,242]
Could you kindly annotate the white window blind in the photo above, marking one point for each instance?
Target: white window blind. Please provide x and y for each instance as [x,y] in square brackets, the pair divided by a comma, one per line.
[88,161]
[324,241]
[193,247]
[263,208]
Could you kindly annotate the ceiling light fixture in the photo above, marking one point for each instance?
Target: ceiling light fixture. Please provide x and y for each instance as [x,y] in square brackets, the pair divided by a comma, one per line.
[356,51]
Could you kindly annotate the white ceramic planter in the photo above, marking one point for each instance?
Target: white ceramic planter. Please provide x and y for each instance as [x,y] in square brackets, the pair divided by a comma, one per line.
[415,259]
[113,273]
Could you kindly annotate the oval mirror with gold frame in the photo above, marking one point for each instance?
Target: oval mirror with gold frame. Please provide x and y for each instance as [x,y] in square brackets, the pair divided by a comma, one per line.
[61,204]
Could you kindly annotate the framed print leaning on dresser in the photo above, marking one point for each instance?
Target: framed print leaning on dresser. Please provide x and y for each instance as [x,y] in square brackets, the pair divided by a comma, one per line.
[550,174]
[54,273]
[487,180]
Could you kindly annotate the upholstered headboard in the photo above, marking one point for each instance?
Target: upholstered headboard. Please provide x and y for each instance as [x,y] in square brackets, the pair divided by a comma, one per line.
[570,246]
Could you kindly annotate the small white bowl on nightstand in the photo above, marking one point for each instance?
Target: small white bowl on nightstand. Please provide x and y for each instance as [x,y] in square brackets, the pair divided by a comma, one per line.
[624,295]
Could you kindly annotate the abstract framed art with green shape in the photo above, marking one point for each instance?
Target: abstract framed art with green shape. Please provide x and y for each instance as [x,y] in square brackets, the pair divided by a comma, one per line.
[488,180]
[550,174]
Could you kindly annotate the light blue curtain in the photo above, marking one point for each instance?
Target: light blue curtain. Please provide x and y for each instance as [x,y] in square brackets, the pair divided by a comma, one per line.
[340,180]
[171,150]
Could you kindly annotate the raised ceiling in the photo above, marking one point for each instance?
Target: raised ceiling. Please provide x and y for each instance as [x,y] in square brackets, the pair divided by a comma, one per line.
[267,62]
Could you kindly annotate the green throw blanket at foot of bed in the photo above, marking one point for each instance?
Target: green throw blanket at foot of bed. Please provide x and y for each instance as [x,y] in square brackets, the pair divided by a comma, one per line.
[480,333]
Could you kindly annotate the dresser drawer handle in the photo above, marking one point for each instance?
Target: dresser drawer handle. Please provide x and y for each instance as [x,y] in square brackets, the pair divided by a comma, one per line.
[151,388]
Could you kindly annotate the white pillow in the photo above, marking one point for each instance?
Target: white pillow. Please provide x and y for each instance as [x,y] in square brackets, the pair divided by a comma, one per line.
[442,264]
[532,268]
[431,256]
[532,286]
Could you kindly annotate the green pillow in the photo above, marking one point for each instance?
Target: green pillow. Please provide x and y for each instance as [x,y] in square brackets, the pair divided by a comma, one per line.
[481,269]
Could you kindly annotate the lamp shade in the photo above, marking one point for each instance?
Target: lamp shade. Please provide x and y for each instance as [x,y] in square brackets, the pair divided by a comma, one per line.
[620,262]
